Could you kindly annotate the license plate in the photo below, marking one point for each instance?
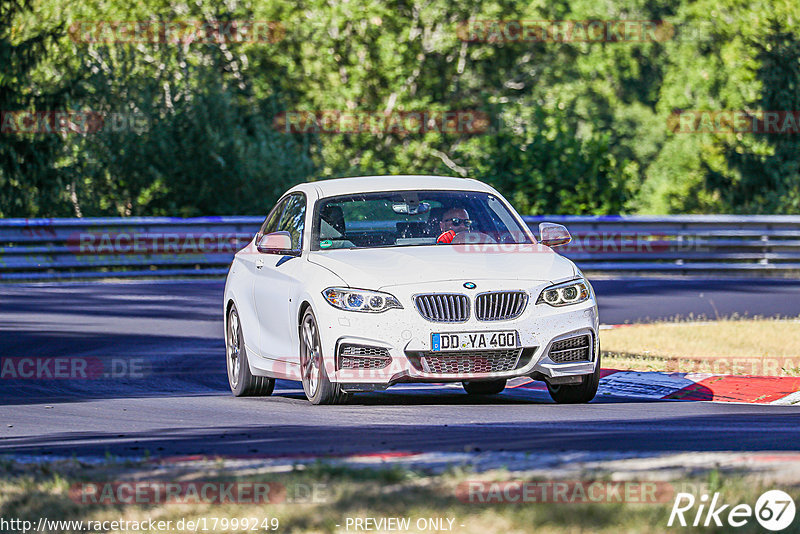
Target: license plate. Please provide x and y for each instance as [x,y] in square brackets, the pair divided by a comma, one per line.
[501,339]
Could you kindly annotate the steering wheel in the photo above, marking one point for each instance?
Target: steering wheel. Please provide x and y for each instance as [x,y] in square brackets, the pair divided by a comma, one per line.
[472,238]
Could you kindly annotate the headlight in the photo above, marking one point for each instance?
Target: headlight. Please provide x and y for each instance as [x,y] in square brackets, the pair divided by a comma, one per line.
[360,300]
[571,292]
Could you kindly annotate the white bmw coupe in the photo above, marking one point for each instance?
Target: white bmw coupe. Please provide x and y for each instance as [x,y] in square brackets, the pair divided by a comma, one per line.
[356,284]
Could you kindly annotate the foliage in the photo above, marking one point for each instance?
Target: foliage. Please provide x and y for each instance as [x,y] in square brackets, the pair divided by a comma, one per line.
[193,128]
[31,184]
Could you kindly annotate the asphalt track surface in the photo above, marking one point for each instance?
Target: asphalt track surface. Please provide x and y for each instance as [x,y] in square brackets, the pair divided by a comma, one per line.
[177,401]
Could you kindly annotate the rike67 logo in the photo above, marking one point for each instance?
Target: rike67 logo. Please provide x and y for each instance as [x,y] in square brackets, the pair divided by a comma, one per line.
[774,510]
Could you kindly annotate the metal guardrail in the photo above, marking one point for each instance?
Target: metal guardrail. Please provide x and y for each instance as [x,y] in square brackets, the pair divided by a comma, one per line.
[682,243]
[40,249]
[32,249]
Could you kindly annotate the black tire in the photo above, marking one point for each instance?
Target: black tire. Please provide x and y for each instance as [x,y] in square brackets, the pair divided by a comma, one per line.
[243,383]
[316,385]
[485,387]
[578,393]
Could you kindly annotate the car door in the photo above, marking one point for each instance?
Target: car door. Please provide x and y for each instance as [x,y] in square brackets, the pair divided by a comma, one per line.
[243,289]
[275,283]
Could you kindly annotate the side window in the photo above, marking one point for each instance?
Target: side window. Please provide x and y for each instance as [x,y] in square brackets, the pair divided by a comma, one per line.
[293,220]
[271,222]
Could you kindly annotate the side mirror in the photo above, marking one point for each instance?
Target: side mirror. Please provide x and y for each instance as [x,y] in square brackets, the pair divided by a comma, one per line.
[276,243]
[553,235]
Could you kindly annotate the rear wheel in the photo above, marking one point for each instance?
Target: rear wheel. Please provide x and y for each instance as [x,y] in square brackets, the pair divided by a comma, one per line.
[318,388]
[577,393]
[241,380]
[485,387]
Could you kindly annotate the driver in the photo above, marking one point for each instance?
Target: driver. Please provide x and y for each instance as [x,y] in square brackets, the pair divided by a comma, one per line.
[454,221]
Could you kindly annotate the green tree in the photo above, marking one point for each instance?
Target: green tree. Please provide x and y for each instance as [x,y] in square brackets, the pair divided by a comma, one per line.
[31,182]
[576,127]
[546,168]
[767,170]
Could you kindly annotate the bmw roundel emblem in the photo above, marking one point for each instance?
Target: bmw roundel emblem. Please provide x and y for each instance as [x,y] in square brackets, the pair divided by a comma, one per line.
[470,285]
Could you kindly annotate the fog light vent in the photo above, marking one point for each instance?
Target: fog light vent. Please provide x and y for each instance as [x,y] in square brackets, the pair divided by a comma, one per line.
[573,349]
[363,357]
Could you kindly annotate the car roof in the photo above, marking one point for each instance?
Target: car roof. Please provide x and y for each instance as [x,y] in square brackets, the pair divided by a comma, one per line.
[370,184]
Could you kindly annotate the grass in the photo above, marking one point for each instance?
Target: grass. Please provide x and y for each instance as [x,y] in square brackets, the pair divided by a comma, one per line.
[767,347]
[38,491]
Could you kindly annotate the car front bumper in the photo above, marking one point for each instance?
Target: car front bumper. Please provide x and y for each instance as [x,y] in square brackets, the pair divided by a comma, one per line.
[403,335]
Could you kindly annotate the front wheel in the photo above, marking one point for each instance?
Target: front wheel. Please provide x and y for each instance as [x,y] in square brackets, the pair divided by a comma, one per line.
[578,393]
[241,380]
[316,385]
[485,387]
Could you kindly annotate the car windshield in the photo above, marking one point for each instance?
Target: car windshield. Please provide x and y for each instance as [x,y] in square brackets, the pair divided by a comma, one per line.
[407,218]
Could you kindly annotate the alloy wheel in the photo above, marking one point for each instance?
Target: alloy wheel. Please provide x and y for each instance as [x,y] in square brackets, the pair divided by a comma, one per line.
[234,349]
[311,363]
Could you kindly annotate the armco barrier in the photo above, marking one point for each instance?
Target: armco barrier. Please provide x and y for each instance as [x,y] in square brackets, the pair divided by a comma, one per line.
[40,249]
[33,249]
[681,243]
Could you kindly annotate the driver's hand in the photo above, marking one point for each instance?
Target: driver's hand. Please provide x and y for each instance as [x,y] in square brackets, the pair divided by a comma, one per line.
[446,237]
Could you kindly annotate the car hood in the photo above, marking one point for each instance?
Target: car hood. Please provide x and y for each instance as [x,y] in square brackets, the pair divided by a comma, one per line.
[378,268]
